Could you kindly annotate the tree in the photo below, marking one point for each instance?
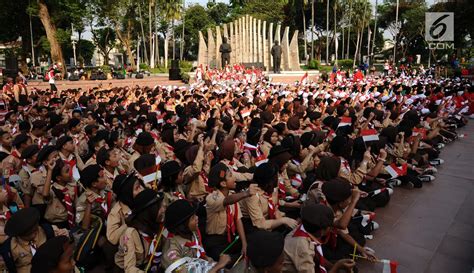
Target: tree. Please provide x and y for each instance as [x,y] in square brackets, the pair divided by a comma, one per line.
[104,39]
[50,28]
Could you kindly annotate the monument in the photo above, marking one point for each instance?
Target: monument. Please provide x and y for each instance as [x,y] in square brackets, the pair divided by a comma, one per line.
[251,41]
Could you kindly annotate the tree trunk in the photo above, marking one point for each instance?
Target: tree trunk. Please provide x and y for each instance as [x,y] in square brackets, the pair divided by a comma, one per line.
[143,32]
[349,29]
[327,32]
[335,30]
[150,35]
[312,29]
[304,34]
[157,37]
[357,48]
[166,51]
[126,41]
[50,28]
[181,51]
[174,39]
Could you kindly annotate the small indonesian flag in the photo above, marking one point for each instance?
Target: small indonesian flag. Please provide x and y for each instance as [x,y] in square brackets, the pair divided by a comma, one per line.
[389,266]
[245,113]
[331,133]
[419,131]
[304,79]
[367,218]
[396,171]
[249,147]
[161,119]
[153,174]
[345,121]
[369,135]
[379,191]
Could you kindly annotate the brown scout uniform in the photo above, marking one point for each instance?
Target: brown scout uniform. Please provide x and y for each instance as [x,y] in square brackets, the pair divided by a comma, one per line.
[299,254]
[21,251]
[174,249]
[195,176]
[355,177]
[132,252]
[55,211]
[256,208]
[216,213]
[116,222]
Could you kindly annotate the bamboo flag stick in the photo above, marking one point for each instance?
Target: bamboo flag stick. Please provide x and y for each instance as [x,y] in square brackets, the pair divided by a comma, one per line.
[154,249]
[231,244]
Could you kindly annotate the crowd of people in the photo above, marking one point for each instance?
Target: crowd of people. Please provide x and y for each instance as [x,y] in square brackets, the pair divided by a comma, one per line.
[234,172]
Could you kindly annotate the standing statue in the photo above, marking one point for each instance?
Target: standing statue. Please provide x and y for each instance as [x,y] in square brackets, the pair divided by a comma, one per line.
[276,54]
[225,51]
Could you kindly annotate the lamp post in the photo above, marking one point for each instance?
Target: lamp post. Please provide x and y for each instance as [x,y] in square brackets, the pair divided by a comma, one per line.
[74,40]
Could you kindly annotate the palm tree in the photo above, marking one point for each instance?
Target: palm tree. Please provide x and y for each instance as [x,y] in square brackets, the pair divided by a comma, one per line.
[171,10]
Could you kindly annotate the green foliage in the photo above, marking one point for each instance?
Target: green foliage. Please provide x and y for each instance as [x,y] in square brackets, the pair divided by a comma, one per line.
[272,11]
[314,64]
[185,77]
[345,63]
[106,69]
[144,66]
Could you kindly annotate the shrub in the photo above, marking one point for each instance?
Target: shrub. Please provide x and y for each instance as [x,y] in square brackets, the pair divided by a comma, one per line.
[345,63]
[185,77]
[314,64]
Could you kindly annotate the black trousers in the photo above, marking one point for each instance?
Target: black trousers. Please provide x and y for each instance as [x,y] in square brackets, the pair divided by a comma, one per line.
[276,65]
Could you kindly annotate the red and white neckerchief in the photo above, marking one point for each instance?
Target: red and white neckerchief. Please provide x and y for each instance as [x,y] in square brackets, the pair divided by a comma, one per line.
[16,154]
[301,232]
[5,215]
[71,161]
[205,181]
[149,239]
[345,166]
[272,208]
[232,213]
[197,244]
[179,195]
[33,247]
[68,202]
[105,202]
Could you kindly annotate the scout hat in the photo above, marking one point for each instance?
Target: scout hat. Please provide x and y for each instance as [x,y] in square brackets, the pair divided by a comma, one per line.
[178,212]
[22,222]
[316,217]
[273,243]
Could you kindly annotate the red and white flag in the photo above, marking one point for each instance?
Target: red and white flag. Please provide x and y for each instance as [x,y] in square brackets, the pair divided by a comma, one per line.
[245,113]
[389,266]
[154,173]
[345,121]
[304,79]
[367,218]
[379,191]
[369,135]
[396,171]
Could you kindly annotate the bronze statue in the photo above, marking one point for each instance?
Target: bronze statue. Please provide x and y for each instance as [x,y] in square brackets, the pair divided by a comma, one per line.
[276,54]
[225,51]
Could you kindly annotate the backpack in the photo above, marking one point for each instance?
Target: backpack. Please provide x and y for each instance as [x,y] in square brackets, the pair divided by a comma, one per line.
[5,248]
[85,253]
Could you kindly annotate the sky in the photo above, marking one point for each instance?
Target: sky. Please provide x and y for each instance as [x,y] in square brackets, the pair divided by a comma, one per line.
[87,35]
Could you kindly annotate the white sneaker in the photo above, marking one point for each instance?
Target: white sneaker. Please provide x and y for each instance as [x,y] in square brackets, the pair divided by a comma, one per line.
[375,225]
[394,182]
[426,178]
[390,191]
[436,162]
[471,116]
[430,170]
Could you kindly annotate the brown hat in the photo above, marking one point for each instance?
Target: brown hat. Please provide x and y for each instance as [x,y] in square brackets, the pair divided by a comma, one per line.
[227,149]
[293,123]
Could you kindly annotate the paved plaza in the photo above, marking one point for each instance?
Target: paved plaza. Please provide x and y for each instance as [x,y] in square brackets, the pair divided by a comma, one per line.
[431,230]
